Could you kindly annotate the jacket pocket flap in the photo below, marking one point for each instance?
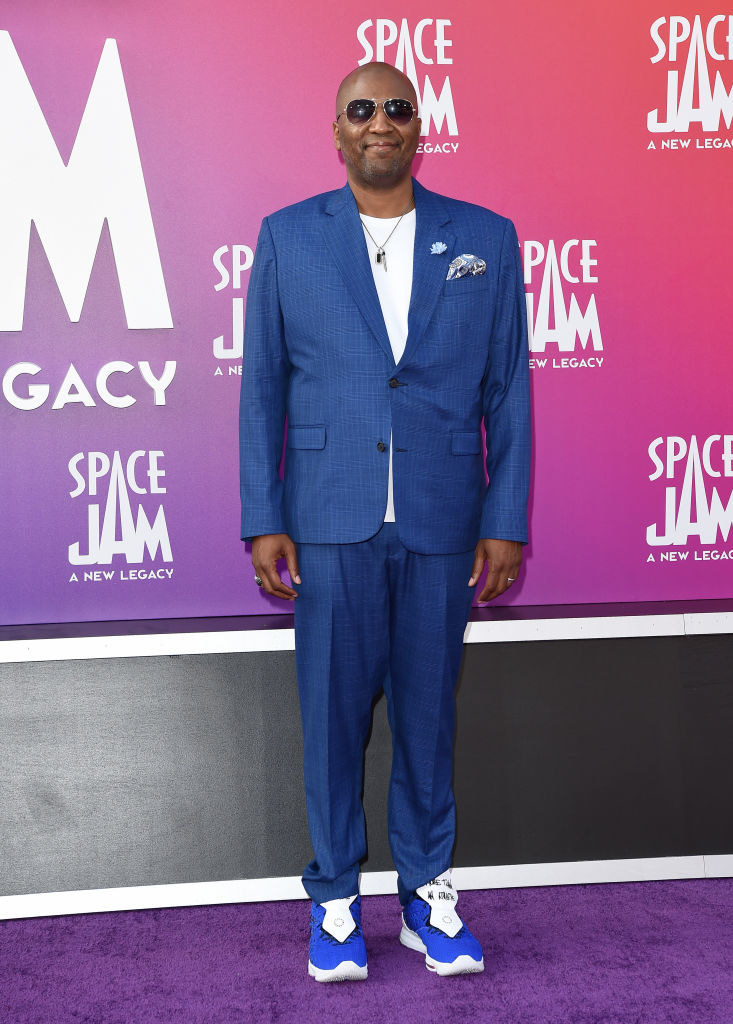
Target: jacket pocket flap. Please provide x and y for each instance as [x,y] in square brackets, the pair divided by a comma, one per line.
[465,442]
[467,284]
[312,436]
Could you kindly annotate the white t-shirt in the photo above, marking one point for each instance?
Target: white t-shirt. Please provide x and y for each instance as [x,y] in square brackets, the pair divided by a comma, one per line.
[394,286]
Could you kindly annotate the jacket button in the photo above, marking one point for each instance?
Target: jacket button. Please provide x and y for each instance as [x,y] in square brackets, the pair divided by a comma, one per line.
[381,446]
[393,382]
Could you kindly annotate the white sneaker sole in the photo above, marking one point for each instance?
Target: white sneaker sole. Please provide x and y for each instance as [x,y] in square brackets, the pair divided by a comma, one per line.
[346,971]
[464,964]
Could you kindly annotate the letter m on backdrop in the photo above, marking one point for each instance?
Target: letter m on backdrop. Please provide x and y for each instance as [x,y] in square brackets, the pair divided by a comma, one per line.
[69,203]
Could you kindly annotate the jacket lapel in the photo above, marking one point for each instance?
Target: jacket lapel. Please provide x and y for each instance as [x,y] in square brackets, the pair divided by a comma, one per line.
[432,221]
[345,238]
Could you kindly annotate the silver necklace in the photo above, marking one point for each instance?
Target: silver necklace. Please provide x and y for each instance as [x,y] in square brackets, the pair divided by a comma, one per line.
[381,256]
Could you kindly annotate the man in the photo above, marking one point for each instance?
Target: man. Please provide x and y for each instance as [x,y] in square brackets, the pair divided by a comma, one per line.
[385,321]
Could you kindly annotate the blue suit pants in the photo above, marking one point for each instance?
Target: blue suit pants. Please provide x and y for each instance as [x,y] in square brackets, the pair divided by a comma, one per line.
[372,615]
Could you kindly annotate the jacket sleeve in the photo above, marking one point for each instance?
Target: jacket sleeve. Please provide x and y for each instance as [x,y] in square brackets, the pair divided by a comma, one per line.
[263,397]
[506,406]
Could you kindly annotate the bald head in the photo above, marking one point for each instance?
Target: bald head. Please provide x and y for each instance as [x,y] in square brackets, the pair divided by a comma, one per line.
[371,80]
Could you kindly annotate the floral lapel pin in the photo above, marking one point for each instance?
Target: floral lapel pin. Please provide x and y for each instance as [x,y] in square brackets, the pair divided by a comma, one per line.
[437,248]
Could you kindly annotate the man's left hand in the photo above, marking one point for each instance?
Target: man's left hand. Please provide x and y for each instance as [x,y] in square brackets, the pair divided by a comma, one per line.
[505,560]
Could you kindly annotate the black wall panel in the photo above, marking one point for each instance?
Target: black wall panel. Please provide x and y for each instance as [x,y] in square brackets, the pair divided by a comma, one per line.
[142,770]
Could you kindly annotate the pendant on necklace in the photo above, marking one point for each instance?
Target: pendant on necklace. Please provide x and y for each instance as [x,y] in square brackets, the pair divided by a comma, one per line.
[381,257]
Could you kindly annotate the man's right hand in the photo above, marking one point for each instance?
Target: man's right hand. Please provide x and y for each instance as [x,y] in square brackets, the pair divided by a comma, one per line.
[266,550]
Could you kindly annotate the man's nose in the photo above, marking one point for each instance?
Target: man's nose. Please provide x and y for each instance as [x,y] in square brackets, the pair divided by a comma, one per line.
[380,122]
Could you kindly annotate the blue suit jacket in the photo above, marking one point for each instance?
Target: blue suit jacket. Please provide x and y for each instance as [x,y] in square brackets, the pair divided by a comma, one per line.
[316,347]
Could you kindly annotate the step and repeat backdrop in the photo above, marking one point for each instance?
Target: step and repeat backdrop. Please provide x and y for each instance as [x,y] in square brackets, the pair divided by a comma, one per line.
[142,143]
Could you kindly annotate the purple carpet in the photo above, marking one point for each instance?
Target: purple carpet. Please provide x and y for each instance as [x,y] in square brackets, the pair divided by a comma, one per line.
[633,953]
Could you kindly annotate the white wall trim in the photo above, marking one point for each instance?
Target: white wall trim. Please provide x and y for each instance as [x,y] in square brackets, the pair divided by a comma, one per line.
[237,641]
[589,628]
[373,883]
[147,645]
[708,622]
[719,865]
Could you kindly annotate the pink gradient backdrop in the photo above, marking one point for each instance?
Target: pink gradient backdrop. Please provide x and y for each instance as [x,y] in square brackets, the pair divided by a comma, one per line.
[232,105]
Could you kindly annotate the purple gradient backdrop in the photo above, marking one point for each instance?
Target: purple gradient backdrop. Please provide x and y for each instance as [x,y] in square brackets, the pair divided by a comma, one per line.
[232,105]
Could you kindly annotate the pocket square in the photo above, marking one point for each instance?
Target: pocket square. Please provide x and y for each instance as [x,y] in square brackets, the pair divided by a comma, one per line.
[464,264]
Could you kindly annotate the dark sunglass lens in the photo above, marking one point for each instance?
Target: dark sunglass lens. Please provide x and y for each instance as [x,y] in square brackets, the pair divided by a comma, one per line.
[359,111]
[399,111]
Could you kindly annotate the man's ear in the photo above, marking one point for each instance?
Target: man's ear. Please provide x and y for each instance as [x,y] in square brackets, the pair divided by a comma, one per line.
[336,140]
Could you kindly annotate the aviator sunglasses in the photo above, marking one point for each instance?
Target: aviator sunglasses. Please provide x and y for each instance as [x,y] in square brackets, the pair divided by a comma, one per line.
[399,112]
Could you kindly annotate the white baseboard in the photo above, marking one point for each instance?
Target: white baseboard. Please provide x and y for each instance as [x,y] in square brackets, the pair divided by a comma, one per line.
[240,641]
[586,628]
[708,622]
[373,883]
[719,865]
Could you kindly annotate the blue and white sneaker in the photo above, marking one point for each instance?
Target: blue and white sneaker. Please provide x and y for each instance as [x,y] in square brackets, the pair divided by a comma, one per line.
[431,925]
[337,951]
